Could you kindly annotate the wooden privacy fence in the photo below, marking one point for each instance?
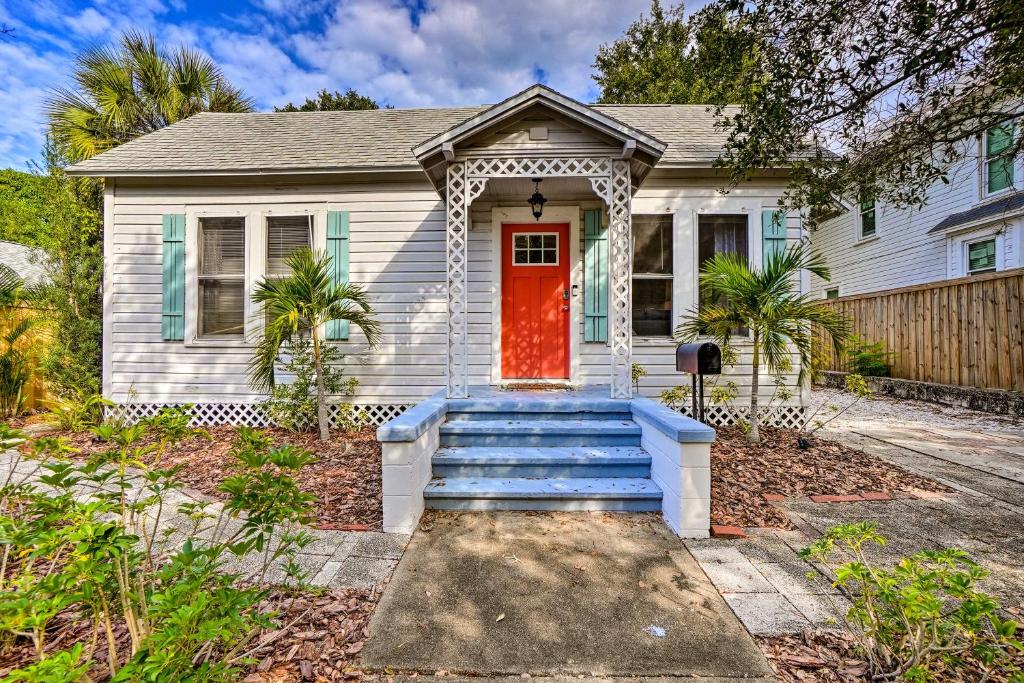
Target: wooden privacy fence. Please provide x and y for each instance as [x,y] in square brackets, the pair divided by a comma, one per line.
[968,331]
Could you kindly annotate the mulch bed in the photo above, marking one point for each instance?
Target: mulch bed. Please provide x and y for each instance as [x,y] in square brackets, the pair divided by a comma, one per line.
[346,477]
[743,473]
[829,657]
[317,637]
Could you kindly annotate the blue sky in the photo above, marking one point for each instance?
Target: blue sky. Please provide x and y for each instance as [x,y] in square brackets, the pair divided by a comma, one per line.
[409,54]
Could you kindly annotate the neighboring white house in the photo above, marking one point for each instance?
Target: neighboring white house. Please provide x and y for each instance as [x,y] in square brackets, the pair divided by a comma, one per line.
[427,208]
[972,225]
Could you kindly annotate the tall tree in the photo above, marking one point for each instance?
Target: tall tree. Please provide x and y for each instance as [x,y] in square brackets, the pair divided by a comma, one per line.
[333,101]
[664,58]
[135,88]
[876,98]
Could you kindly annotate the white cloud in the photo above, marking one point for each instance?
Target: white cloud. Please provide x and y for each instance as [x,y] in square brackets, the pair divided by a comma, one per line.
[441,52]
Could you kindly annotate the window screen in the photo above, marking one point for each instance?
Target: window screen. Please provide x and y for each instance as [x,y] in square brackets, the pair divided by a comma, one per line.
[221,277]
[721,234]
[285,236]
[981,256]
[652,276]
[998,160]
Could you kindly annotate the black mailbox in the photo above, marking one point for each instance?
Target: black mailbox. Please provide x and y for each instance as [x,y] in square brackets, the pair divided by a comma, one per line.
[700,358]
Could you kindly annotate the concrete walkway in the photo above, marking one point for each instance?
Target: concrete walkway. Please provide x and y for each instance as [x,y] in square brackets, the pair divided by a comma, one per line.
[598,594]
[337,559]
[773,591]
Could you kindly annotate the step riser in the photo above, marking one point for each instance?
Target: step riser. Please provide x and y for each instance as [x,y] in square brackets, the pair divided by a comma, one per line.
[577,505]
[474,416]
[567,471]
[550,439]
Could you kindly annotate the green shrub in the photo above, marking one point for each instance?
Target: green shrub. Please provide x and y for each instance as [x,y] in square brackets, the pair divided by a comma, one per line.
[924,619]
[91,545]
[868,359]
[78,412]
[292,405]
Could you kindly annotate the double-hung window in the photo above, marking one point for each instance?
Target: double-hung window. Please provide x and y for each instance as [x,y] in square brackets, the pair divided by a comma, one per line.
[981,256]
[285,236]
[721,234]
[221,277]
[866,219]
[652,275]
[998,158]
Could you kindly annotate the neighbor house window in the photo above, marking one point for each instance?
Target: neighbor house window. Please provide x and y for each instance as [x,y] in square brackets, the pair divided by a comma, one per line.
[867,219]
[652,276]
[720,234]
[981,256]
[285,236]
[832,293]
[998,158]
[221,277]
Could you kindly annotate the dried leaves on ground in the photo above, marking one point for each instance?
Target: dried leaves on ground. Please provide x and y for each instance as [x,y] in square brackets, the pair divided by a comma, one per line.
[742,473]
[317,639]
[346,477]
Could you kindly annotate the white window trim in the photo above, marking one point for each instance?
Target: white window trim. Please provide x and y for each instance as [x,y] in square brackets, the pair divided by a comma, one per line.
[255,261]
[824,292]
[997,266]
[958,249]
[558,250]
[673,323]
[1018,167]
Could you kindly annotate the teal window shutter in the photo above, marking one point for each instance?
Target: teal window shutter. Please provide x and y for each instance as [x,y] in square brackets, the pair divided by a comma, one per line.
[337,249]
[173,288]
[595,278]
[773,233]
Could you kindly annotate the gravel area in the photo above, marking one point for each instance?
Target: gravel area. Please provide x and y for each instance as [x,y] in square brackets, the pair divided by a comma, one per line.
[894,412]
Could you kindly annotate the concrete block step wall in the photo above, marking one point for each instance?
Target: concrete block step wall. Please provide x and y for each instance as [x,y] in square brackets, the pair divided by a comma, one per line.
[550,454]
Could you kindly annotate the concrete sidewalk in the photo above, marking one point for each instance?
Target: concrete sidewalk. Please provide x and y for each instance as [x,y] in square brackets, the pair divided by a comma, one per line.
[599,594]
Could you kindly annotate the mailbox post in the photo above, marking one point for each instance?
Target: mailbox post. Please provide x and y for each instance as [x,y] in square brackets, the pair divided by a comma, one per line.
[699,359]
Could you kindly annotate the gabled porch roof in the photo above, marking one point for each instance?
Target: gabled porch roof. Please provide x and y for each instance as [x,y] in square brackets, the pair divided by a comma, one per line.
[635,142]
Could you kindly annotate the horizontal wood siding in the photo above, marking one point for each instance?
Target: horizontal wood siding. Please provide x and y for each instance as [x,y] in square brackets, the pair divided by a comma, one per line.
[968,331]
[398,252]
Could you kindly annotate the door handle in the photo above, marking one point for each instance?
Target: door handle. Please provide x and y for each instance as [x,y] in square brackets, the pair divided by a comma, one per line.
[565,308]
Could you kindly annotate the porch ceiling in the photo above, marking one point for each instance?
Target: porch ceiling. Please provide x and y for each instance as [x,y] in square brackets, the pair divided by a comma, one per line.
[517,190]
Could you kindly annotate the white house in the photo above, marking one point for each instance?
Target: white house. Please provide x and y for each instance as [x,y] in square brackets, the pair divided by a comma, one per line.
[427,208]
[972,225]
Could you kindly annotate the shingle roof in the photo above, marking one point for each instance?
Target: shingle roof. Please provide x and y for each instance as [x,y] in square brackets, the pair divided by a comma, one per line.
[26,261]
[343,140]
[994,209]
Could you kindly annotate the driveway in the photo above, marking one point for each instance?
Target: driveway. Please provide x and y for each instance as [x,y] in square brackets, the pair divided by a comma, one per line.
[555,594]
[979,455]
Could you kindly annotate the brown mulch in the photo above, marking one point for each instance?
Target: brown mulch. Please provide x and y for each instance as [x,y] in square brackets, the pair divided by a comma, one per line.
[742,473]
[345,478]
[317,637]
[830,657]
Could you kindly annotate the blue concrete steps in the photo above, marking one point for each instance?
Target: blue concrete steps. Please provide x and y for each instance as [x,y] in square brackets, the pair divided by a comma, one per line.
[546,416]
[553,462]
[592,432]
[584,493]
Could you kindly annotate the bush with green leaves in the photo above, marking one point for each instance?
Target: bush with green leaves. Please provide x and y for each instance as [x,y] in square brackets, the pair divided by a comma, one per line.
[90,541]
[924,619]
[78,412]
[868,359]
[292,405]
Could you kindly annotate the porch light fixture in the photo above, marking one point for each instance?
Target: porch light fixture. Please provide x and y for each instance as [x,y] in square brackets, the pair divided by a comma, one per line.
[537,200]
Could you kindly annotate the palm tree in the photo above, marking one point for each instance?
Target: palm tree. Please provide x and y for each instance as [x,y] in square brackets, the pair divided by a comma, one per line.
[768,304]
[299,306]
[134,89]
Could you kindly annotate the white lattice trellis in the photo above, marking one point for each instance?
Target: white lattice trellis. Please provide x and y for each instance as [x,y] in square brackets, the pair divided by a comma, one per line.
[620,271]
[208,414]
[610,180]
[776,416]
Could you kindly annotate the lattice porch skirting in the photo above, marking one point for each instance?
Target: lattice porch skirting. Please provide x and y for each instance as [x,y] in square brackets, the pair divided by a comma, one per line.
[775,416]
[208,414]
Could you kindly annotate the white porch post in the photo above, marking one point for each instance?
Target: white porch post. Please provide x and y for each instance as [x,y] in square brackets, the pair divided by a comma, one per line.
[458,305]
[620,271]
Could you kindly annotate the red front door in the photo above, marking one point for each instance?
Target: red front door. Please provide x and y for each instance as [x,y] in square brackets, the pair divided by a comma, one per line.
[534,301]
